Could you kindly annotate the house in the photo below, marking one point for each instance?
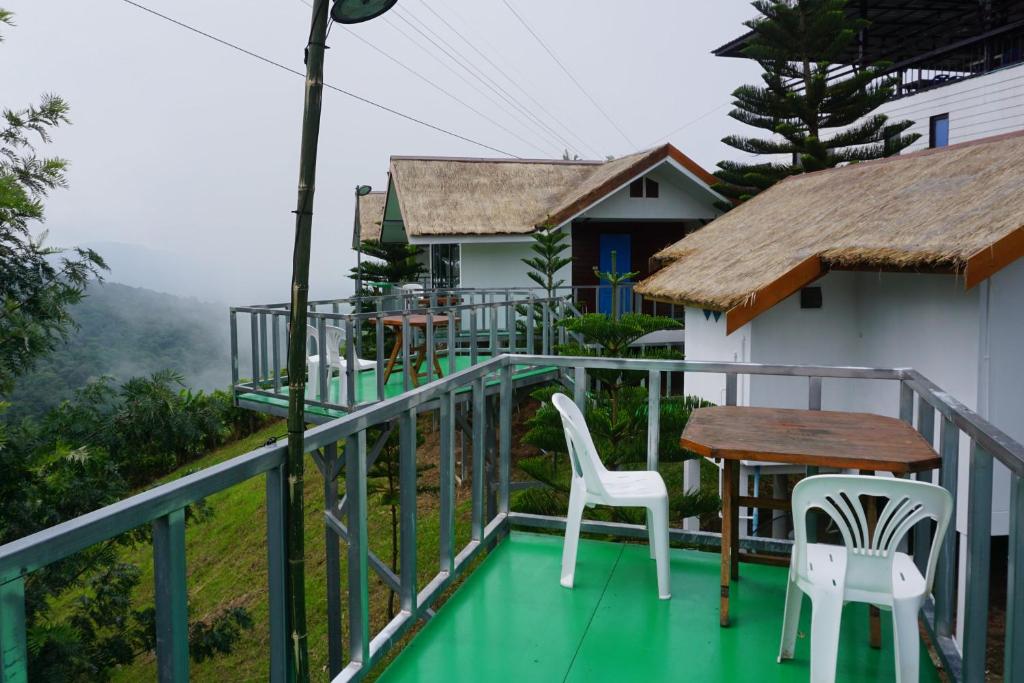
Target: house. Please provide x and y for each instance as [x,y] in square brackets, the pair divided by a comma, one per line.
[911,261]
[475,217]
[959,65]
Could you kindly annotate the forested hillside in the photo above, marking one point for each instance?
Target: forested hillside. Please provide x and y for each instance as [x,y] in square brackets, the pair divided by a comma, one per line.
[126,332]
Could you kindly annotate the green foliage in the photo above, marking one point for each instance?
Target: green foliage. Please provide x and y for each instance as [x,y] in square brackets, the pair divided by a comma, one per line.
[124,332]
[549,247]
[796,43]
[613,337]
[394,263]
[38,283]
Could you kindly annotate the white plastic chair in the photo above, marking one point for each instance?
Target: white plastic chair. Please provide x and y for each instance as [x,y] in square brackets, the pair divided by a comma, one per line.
[592,484]
[868,569]
[334,337]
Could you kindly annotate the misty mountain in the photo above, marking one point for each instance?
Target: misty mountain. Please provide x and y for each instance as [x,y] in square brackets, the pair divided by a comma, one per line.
[125,332]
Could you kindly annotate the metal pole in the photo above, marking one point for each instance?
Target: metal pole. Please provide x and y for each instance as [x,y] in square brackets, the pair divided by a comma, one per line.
[295,465]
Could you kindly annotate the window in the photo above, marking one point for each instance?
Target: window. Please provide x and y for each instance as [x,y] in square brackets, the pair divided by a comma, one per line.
[643,188]
[938,131]
[444,265]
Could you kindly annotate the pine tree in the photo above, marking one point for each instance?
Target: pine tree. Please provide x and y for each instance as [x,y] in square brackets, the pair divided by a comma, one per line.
[549,245]
[816,122]
[396,263]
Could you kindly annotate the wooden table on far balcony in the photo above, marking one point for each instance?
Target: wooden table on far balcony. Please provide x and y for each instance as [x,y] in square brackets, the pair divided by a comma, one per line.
[815,438]
[415,321]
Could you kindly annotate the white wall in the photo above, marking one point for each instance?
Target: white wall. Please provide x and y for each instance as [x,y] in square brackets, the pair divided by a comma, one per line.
[706,340]
[499,264]
[678,199]
[977,107]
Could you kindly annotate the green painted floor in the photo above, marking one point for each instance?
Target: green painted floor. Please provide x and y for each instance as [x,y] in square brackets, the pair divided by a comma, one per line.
[512,621]
[366,387]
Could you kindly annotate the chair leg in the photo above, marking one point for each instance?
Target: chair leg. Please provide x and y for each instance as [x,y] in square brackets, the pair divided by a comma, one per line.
[907,643]
[650,534]
[658,529]
[826,613]
[577,500]
[790,620]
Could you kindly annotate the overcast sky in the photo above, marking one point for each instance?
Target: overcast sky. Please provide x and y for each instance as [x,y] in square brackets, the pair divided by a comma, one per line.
[187,151]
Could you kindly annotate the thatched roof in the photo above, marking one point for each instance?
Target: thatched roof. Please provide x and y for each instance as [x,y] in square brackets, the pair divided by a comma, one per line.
[454,196]
[369,213]
[959,209]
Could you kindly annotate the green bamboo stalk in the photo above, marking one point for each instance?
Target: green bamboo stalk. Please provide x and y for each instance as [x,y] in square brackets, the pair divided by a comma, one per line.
[298,665]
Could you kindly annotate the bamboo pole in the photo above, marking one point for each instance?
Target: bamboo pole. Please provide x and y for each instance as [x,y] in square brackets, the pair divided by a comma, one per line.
[298,659]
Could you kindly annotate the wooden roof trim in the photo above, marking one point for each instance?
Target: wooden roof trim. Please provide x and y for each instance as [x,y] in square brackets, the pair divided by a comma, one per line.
[987,262]
[800,275]
[653,157]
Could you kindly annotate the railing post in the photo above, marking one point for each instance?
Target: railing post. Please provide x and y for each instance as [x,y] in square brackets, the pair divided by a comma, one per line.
[505,435]
[406,360]
[429,332]
[254,352]
[814,393]
[653,417]
[731,382]
[479,432]
[275,335]
[264,361]
[492,338]
[922,530]
[379,325]
[531,310]
[234,350]
[979,540]
[472,337]
[407,508]
[452,367]
[1014,644]
[13,648]
[332,552]
[324,367]
[280,650]
[358,581]
[351,370]
[546,328]
[171,597]
[945,571]
[510,326]
[446,474]
[579,388]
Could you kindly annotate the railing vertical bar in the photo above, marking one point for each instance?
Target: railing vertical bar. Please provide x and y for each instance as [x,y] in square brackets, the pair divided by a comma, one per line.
[407,369]
[731,385]
[13,646]
[446,472]
[264,359]
[332,553]
[653,417]
[546,328]
[505,436]
[814,393]
[171,597]
[407,508]
[472,337]
[429,332]
[1014,645]
[945,574]
[234,347]
[451,339]
[358,581]
[562,313]
[531,310]
[922,530]
[492,338]
[254,351]
[280,649]
[275,335]
[510,326]
[579,387]
[906,403]
[351,371]
[979,538]
[379,325]
[479,432]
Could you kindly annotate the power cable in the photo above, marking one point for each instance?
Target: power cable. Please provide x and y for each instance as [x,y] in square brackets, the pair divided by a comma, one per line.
[296,72]
[569,74]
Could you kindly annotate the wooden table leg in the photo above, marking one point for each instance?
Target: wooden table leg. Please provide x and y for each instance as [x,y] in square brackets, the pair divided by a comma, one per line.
[421,355]
[729,512]
[734,534]
[389,368]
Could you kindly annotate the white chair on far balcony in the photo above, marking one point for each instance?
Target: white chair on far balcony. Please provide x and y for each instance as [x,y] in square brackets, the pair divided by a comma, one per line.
[592,484]
[334,339]
[867,568]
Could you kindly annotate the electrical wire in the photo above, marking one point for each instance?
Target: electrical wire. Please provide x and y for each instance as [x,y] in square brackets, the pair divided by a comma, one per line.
[581,142]
[335,88]
[569,74]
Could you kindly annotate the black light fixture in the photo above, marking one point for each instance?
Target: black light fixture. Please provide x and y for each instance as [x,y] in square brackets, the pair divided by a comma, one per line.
[356,11]
[363,190]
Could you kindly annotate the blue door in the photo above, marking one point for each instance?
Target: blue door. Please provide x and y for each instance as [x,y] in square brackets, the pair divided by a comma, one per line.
[620,244]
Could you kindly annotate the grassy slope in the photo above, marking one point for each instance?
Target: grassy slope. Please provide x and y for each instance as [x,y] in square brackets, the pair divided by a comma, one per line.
[226,561]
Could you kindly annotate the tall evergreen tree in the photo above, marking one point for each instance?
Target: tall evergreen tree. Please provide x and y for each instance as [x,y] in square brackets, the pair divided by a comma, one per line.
[395,263]
[818,123]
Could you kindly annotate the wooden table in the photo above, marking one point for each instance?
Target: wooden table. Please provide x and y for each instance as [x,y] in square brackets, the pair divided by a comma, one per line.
[415,321]
[815,438]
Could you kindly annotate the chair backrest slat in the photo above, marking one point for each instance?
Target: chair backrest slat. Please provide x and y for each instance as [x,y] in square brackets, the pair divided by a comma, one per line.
[582,453]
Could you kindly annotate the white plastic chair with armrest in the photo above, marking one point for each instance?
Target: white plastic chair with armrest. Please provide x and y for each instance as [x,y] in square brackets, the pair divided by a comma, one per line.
[334,338]
[592,484]
[867,568]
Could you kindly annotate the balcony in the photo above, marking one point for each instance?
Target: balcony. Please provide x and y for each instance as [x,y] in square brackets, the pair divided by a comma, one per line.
[506,617]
